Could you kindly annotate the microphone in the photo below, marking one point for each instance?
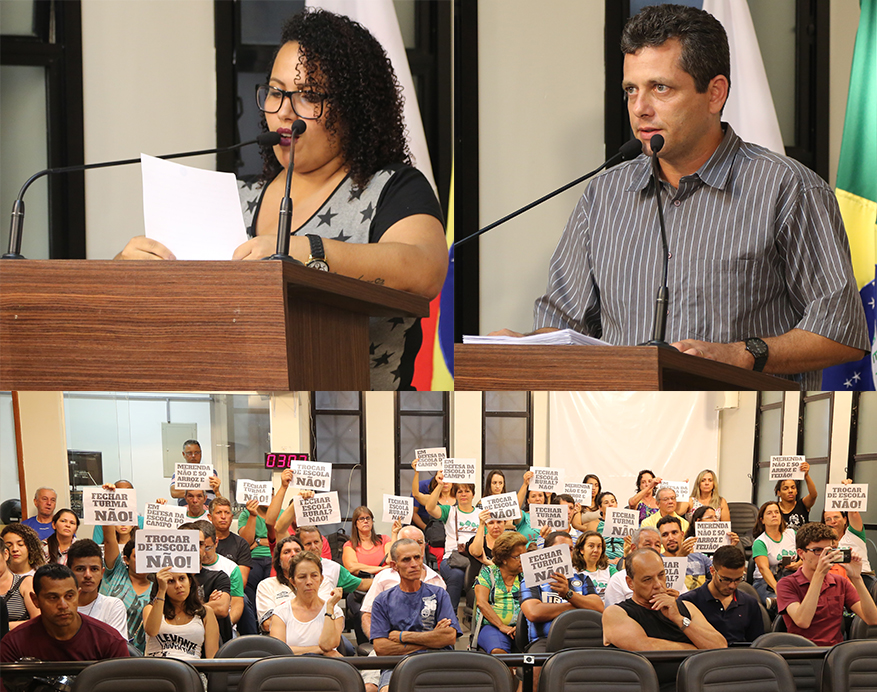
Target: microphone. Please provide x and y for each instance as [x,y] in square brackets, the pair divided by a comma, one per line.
[284,223]
[662,301]
[267,139]
[629,150]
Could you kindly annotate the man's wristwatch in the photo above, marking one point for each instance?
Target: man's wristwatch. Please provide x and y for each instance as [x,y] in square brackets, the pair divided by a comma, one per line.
[569,594]
[317,260]
[685,623]
[759,351]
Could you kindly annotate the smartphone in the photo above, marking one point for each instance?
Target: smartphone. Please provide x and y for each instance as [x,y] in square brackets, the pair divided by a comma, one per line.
[843,555]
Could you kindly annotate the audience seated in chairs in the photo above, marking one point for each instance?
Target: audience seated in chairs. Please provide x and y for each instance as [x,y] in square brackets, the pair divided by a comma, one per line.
[773,552]
[275,591]
[851,530]
[812,600]
[15,592]
[617,590]
[498,595]
[734,614]
[698,571]
[86,561]
[412,616]
[59,632]
[123,581]
[306,622]
[589,557]
[231,546]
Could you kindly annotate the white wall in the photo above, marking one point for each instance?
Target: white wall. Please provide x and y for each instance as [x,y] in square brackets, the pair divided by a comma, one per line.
[149,86]
[541,81]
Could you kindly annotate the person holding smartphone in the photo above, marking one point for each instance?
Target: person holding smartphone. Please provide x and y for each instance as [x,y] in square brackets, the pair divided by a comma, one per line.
[812,601]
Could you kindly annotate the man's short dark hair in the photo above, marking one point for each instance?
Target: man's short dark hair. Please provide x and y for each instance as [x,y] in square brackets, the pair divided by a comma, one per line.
[634,557]
[192,442]
[202,525]
[728,556]
[669,519]
[705,52]
[563,497]
[52,571]
[551,538]
[813,532]
[81,549]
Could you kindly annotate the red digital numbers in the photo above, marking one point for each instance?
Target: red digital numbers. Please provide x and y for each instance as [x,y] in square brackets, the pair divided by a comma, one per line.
[283,460]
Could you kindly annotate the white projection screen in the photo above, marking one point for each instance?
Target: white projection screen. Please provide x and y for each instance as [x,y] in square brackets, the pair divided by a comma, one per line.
[616,434]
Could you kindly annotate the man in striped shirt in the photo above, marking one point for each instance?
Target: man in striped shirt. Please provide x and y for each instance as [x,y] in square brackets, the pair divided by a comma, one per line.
[759,264]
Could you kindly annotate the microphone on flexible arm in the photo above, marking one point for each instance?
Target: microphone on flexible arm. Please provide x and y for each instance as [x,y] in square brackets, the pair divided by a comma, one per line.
[629,150]
[16,225]
[659,325]
[284,223]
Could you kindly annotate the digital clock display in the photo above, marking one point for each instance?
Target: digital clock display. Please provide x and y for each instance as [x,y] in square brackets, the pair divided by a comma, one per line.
[283,460]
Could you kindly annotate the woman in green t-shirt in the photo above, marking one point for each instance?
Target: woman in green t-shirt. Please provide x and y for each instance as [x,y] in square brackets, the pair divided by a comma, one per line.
[255,531]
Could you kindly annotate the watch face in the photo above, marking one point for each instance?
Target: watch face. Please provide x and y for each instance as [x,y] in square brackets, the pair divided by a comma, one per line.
[318,264]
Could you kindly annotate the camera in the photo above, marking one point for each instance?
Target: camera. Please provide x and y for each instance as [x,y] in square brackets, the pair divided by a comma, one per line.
[843,555]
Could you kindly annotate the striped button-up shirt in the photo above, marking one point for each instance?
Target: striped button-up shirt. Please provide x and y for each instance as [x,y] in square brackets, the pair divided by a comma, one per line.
[757,248]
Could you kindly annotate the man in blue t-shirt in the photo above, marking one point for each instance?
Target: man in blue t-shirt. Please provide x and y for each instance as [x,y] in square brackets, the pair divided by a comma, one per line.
[413,616]
[44,499]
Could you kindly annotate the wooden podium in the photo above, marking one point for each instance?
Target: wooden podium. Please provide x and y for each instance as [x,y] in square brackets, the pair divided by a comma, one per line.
[178,326]
[590,368]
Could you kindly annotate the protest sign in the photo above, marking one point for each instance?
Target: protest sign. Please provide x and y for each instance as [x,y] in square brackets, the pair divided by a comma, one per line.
[313,475]
[782,468]
[109,507]
[502,506]
[581,493]
[163,516]
[397,507]
[846,498]
[546,479]
[192,476]
[678,487]
[318,510]
[247,490]
[620,522]
[711,535]
[160,548]
[539,565]
[431,459]
[674,568]
[553,516]
[461,471]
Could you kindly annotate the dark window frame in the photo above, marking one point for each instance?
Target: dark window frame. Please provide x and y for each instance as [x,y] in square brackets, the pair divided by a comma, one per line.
[398,414]
[57,47]
[756,462]
[854,457]
[315,452]
[485,414]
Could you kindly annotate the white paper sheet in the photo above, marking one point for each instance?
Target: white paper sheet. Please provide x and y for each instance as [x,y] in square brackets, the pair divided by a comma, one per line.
[195,213]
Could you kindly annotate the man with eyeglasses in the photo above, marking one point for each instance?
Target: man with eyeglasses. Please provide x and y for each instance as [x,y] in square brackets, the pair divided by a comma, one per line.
[812,600]
[732,613]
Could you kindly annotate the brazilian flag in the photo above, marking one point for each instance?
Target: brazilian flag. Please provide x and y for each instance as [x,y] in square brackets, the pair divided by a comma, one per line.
[857,194]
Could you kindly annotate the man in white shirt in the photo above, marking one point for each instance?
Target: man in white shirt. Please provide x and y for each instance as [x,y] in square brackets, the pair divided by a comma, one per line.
[86,561]
[617,589]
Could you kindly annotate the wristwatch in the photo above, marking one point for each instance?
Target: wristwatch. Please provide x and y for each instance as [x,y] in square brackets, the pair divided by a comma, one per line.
[759,351]
[569,594]
[685,623]
[317,260]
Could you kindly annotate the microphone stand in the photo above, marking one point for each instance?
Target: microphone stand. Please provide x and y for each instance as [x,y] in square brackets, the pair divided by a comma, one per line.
[17,223]
[629,150]
[284,223]
[659,324]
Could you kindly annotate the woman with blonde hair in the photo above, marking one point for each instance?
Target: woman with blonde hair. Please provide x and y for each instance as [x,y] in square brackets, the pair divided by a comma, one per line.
[705,493]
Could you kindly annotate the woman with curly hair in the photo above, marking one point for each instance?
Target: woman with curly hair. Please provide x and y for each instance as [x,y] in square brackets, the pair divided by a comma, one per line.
[177,624]
[359,208]
[25,549]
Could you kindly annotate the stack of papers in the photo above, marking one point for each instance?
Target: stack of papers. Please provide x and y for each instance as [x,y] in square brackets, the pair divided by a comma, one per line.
[563,337]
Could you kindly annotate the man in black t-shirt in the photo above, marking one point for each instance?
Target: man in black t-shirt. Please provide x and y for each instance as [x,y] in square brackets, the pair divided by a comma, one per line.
[652,619]
[214,588]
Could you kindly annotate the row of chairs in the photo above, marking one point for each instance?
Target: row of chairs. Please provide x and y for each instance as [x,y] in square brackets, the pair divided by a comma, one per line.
[848,667]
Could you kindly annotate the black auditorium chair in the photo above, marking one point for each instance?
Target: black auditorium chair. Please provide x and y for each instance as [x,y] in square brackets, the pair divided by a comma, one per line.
[451,670]
[248,646]
[598,670]
[754,670]
[850,667]
[748,589]
[862,630]
[779,624]
[576,629]
[134,652]
[743,517]
[142,674]
[301,674]
[807,672]
[522,634]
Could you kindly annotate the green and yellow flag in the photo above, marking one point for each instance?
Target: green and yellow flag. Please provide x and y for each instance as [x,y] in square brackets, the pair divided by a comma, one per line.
[857,193]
